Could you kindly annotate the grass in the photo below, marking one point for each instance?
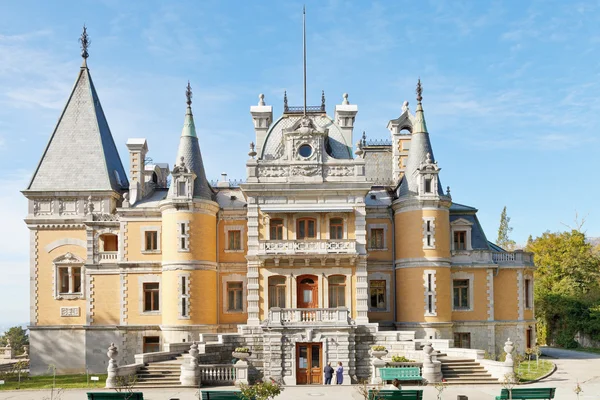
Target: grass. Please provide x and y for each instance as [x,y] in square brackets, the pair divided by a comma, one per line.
[595,350]
[45,382]
[529,370]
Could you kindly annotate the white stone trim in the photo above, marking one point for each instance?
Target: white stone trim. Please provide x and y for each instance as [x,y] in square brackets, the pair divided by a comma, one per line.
[267,222]
[186,236]
[461,225]
[229,228]
[150,228]
[124,240]
[431,292]
[430,232]
[33,273]
[527,277]
[315,216]
[347,291]
[234,278]
[64,242]
[385,231]
[378,276]
[181,296]
[344,218]
[520,294]
[123,314]
[149,279]
[68,260]
[471,278]
[91,304]
[490,294]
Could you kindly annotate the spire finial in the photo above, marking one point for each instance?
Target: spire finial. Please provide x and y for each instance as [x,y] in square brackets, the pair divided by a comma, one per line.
[261,99]
[285,104]
[188,94]
[85,42]
[364,138]
[345,101]
[419,91]
[322,100]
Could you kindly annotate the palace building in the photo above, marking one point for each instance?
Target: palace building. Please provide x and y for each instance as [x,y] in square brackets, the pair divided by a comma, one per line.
[331,244]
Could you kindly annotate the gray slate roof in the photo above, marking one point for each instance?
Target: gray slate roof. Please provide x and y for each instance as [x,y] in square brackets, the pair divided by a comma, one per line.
[378,164]
[81,153]
[189,149]
[478,238]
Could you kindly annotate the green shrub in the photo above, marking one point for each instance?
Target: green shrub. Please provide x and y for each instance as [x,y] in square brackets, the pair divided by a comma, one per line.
[378,348]
[242,350]
[401,359]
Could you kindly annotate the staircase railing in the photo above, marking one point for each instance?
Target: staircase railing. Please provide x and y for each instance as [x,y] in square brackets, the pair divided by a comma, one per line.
[217,374]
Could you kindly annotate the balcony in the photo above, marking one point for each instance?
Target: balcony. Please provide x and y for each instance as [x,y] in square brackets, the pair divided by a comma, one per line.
[109,256]
[306,316]
[302,247]
[517,258]
[513,257]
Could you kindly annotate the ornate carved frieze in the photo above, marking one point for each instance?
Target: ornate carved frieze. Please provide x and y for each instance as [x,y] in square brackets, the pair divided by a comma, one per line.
[69,311]
[339,170]
[43,207]
[306,170]
[272,171]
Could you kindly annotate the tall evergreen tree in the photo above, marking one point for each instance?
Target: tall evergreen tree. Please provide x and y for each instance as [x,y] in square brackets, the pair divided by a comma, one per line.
[504,230]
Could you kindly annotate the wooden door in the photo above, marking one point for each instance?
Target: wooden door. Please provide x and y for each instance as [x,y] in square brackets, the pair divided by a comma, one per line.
[309,365]
[308,291]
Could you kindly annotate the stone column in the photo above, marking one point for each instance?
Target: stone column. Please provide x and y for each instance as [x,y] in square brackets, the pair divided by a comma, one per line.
[432,370]
[508,368]
[111,379]
[190,372]
[362,285]
[253,263]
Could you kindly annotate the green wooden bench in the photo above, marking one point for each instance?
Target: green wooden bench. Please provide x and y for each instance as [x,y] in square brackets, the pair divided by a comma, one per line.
[529,393]
[402,374]
[115,396]
[396,394]
[221,395]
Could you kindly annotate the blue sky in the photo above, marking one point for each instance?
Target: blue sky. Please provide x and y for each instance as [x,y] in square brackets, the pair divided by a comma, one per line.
[511,92]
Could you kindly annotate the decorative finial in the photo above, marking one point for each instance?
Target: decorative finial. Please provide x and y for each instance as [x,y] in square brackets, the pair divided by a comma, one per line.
[359,148]
[252,152]
[261,99]
[182,162]
[419,91]
[428,158]
[90,204]
[364,138]
[405,106]
[345,102]
[448,192]
[285,104]
[322,100]
[85,42]
[188,94]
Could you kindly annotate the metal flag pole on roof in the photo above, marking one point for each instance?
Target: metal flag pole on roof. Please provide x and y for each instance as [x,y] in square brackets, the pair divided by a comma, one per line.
[304,45]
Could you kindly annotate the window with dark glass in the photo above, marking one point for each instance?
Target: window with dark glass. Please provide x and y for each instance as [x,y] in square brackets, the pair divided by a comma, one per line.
[276,225]
[151,240]
[151,296]
[151,344]
[377,238]
[427,185]
[336,228]
[235,240]
[377,294]
[234,296]
[528,291]
[461,294]
[460,240]
[462,340]
[69,280]
[306,228]
[277,291]
[337,291]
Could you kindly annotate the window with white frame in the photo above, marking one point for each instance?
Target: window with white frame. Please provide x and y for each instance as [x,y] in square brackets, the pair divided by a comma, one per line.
[68,277]
[151,296]
[377,239]
[234,238]
[430,292]
[235,296]
[528,293]
[150,239]
[183,230]
[428,232]
[461,234]
[277,291]
[460,290]
[337,291]
[460,240]
[378,295]
[184,295]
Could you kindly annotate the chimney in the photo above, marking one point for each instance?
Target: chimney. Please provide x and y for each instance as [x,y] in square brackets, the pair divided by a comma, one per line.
[138,148]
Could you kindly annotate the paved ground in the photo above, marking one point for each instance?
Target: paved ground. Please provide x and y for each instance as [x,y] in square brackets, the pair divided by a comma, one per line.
[573,367]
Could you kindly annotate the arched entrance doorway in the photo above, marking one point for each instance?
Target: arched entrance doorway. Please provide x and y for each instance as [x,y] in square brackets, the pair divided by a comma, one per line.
[308,291]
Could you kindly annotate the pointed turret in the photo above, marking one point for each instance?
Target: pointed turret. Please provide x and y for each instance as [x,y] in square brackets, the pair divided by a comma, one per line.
[420,151]
[81,153]
[189,152]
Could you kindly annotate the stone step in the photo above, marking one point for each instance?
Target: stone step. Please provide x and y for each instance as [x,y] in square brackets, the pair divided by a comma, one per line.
[446,360]
[461,367]
[461,375]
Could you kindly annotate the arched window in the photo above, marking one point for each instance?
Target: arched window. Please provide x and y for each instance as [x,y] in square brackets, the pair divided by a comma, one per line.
[109,242]
[276,231]
[336,228]
[306,228]
[277,291]
[337,291]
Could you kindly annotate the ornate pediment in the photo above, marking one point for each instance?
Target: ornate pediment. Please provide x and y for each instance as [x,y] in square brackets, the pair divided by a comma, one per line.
[68,258]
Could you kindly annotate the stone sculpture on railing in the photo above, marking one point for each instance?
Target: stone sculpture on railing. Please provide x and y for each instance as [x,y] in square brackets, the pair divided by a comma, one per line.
[432,369]
[111,379]
[190,372]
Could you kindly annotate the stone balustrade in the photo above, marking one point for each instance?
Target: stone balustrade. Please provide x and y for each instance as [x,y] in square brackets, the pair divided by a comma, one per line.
[217,374]
[292,247]
[109,256]
[492,257]
[303,316]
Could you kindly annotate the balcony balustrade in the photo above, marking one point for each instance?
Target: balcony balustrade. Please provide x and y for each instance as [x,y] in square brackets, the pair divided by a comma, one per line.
[291,247]
[492,257]
[307,316]
[109,256]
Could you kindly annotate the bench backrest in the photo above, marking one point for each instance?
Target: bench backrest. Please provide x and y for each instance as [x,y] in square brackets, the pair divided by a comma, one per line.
[115,396]
[391,373]
[397,394]
[221,395]
[529,393]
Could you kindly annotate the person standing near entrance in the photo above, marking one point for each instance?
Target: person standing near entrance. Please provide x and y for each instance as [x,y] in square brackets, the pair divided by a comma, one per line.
[328,373]
[339,374]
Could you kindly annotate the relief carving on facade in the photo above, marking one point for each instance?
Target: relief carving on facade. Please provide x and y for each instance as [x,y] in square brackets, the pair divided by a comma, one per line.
[339,170]
[306,170]
[69,311]
[272,171]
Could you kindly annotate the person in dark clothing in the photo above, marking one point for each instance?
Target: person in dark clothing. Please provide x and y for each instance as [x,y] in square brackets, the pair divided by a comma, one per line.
[328,370]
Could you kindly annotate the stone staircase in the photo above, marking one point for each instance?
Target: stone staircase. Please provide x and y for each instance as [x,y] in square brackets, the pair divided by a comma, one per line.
[461,371]
[160,374]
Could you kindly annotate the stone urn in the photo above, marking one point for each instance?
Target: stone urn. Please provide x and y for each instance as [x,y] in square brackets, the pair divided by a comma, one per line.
[241,355]
[378,353]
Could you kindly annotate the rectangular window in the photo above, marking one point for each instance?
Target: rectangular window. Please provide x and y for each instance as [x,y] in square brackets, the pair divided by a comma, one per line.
[460,240]
[184,307]
[377,238]
[183,296]
[234,296]
[336,228]
[277,291]
[151,240]
[337,291]
[76,271]
[151,344]
[461,294]
[63,278]
[151,296]
[306,229]
[429,287]
[181,188]
[430,304]
[377,294]
[184,235]
[69,280]
[528,292]
[428,233]
[462,340]
[235,240]
[427,185]
[276,229]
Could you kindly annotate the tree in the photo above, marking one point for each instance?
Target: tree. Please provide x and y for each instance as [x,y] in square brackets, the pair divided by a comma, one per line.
[18,338]
[503,231]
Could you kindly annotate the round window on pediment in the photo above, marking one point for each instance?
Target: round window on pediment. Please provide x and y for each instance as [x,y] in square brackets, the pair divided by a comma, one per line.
[305,150]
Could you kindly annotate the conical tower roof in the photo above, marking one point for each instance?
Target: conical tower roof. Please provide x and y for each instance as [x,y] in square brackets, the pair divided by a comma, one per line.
[420,146]
[189,149]
[81,154]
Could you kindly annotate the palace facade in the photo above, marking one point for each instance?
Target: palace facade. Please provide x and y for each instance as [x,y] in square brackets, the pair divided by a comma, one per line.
[327,247]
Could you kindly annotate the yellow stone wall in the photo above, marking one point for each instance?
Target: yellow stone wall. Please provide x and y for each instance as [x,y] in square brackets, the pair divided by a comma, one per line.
[228,256]
[203,236]
[410,295]
[224,316]
[479,302]
[381,255]
[203,298]
[136,241]
[107,300]
[505,295]
[375,316]
[135,304]
[409,234]
[48,309]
